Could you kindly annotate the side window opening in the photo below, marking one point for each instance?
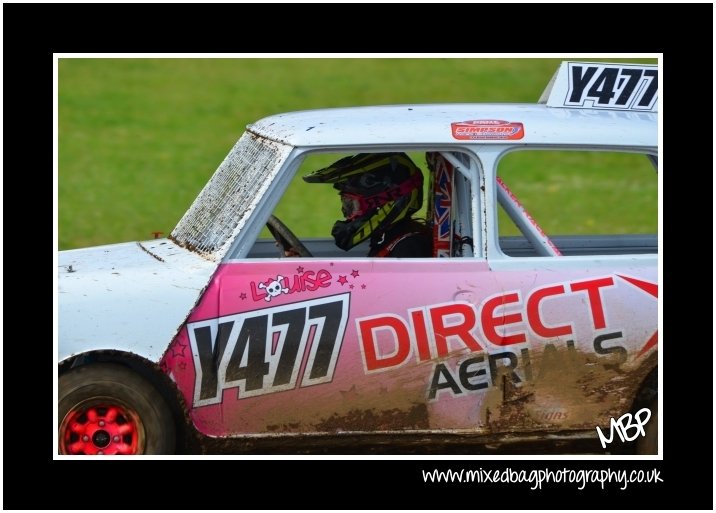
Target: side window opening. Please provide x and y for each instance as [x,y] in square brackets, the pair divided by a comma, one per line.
[569,203]
[528,226]
[314,208]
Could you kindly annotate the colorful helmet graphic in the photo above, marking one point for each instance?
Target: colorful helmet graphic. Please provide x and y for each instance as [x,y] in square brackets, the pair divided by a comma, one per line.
[377,191]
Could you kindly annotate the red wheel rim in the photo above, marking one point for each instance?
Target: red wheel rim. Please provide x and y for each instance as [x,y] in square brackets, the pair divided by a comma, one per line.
[101,427]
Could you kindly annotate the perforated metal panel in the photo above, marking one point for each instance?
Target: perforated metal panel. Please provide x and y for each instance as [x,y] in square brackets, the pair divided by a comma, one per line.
[217,214]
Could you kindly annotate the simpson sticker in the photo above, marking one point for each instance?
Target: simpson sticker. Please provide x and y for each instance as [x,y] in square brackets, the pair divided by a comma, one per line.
[486,129]
[262,351]
[604,86]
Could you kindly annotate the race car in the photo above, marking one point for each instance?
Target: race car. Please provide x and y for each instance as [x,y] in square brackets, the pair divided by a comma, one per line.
[221,337]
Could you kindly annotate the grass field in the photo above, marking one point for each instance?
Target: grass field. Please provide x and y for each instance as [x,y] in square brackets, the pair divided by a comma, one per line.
[138,138]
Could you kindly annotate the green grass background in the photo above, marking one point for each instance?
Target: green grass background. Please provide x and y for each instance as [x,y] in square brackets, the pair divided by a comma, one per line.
[139,138]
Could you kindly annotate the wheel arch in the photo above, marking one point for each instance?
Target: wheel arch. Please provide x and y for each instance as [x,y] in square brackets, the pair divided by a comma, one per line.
[186,435]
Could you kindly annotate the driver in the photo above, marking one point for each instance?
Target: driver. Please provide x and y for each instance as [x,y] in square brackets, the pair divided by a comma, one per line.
[379,194]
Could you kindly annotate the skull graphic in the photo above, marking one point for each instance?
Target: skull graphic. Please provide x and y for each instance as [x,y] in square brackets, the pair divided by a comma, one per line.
[274,288]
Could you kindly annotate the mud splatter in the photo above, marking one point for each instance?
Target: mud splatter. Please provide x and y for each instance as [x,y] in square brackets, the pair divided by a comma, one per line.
[374,420]
[570,389]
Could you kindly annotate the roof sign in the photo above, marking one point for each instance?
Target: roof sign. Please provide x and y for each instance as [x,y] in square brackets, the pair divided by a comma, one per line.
[599,85]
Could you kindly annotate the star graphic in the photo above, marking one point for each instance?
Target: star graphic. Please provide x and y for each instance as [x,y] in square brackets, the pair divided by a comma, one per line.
[242,295]
[299,269]
[331,264]
[355,273]
[342,280]
[351,286]
[653,290]
[178,349]
[182,365]
[362,286]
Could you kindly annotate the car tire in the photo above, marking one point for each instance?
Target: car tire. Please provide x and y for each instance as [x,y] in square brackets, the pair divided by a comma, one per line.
[649,443]
[109,409]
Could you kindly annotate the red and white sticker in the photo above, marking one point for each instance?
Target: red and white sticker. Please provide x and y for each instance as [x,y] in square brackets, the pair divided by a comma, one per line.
[480,129]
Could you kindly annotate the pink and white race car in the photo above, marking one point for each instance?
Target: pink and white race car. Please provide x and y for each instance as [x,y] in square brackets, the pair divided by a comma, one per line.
[507,334]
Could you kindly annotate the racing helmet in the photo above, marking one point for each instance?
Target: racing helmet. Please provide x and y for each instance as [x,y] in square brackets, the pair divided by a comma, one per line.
[377,191]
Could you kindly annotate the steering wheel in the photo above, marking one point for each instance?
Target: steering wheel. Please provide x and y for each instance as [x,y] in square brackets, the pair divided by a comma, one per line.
[287,240]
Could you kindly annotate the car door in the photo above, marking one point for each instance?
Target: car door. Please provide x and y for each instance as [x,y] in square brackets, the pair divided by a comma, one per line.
[493,334]
[342,342]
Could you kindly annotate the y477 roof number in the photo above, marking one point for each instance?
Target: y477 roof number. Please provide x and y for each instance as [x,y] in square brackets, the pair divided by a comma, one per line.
[612,87]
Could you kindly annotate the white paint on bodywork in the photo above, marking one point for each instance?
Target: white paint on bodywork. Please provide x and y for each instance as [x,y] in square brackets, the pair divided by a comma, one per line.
[129,297]
[431,124]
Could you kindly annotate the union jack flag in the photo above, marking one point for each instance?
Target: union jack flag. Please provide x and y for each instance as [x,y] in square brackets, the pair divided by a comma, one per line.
[442,203]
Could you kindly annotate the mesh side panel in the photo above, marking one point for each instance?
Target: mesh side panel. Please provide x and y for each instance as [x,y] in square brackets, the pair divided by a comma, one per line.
[230,195]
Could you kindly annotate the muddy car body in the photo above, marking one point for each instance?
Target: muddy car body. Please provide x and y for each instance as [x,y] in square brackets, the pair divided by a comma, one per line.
[212,333]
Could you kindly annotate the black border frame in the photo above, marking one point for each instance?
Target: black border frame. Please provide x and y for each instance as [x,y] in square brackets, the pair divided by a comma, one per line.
[33,32]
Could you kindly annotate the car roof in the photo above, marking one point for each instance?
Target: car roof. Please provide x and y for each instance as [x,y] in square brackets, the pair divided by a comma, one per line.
[432,124]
